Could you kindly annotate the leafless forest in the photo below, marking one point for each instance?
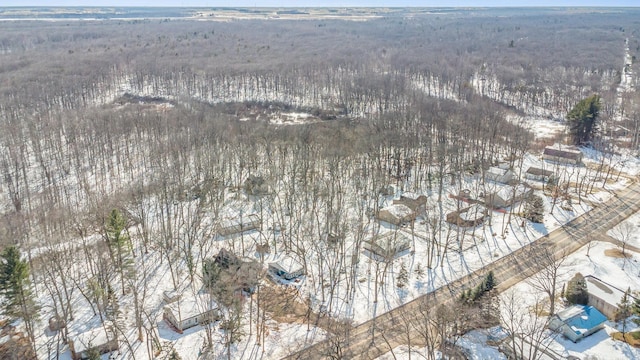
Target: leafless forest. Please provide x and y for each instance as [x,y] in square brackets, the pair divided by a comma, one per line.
[166,119]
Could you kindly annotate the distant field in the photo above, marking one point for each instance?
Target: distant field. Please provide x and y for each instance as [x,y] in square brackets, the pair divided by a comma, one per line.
[219,13]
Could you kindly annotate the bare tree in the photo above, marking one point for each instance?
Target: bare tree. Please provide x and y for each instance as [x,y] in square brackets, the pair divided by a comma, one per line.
[546,268]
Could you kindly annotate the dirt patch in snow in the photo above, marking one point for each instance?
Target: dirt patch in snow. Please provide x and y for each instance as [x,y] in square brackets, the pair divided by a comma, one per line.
[284,305]
[616,253]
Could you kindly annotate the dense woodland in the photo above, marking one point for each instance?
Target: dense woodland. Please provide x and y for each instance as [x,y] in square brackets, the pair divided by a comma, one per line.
[165,120]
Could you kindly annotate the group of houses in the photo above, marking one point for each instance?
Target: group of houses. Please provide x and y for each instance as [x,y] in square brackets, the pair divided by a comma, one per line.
[186,307]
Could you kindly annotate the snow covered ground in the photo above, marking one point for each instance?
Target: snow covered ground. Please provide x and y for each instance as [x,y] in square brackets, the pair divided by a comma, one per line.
[622,273]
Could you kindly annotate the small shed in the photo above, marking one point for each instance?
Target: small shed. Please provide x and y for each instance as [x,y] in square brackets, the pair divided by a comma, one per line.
[388,245]
[499,175]
[396,214]
[507,196]
[566,155]
[191,310]
[604,296]
[471,216]
[239,225]
[413,201]
[577,322]
[101,338]
[286,268]
[539,174]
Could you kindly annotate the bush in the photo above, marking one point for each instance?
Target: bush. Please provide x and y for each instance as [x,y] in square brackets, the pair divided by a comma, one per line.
[577,290]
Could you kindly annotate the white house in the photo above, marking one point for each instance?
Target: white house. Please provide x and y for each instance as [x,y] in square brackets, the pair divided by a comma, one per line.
[388,245]
[238,225]
[285,270]
[191,310]
[507,195]
[577,322]
[396,214]
[499,175]
[604,296]
[101,338]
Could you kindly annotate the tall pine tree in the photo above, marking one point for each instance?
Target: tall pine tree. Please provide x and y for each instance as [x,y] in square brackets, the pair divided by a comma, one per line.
[120,247]
[582,120]
[624,311]
[18,302]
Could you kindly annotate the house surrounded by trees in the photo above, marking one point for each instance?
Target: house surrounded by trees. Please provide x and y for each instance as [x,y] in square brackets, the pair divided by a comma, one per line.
[567,155]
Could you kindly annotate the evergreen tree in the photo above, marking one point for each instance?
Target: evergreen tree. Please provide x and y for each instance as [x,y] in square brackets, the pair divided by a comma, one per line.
[92,352]
[489,281]
[624,311]
[534,209]
[119,245]
[403,277]
[576,292]
[635,308]
[582,120]
[18,302]
[174,355]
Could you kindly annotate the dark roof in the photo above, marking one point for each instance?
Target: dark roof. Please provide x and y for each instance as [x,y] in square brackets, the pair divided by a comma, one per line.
[567,154]
[538,171]
[226,259]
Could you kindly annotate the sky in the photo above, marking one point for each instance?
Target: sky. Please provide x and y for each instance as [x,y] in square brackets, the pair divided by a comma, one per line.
[319,3]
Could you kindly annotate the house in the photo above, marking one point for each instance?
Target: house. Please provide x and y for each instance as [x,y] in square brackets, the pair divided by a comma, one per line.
[238,225]
[499,175]
[603,296]
[286,268]
[191,310]
[568,155]
[396,214]
[103,339]
[577,322]
[471,216]
[413,201]
[388,245]
[535,173]
[507,195]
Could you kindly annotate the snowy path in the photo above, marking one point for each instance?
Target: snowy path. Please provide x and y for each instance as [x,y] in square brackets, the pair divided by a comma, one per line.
[377,336]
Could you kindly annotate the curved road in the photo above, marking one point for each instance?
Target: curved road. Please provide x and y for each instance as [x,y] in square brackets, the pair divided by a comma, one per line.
[376,337]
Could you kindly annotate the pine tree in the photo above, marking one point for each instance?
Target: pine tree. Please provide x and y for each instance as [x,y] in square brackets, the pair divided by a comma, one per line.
[534,209]
[19,302]
[92,352]
[403,277]
[635,308]
[582,120]
[489,281]
[624,311]
[119,245]
[174,355]
[577,292]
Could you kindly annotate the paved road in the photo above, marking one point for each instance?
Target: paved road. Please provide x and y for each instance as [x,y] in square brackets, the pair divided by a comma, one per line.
[375,337]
